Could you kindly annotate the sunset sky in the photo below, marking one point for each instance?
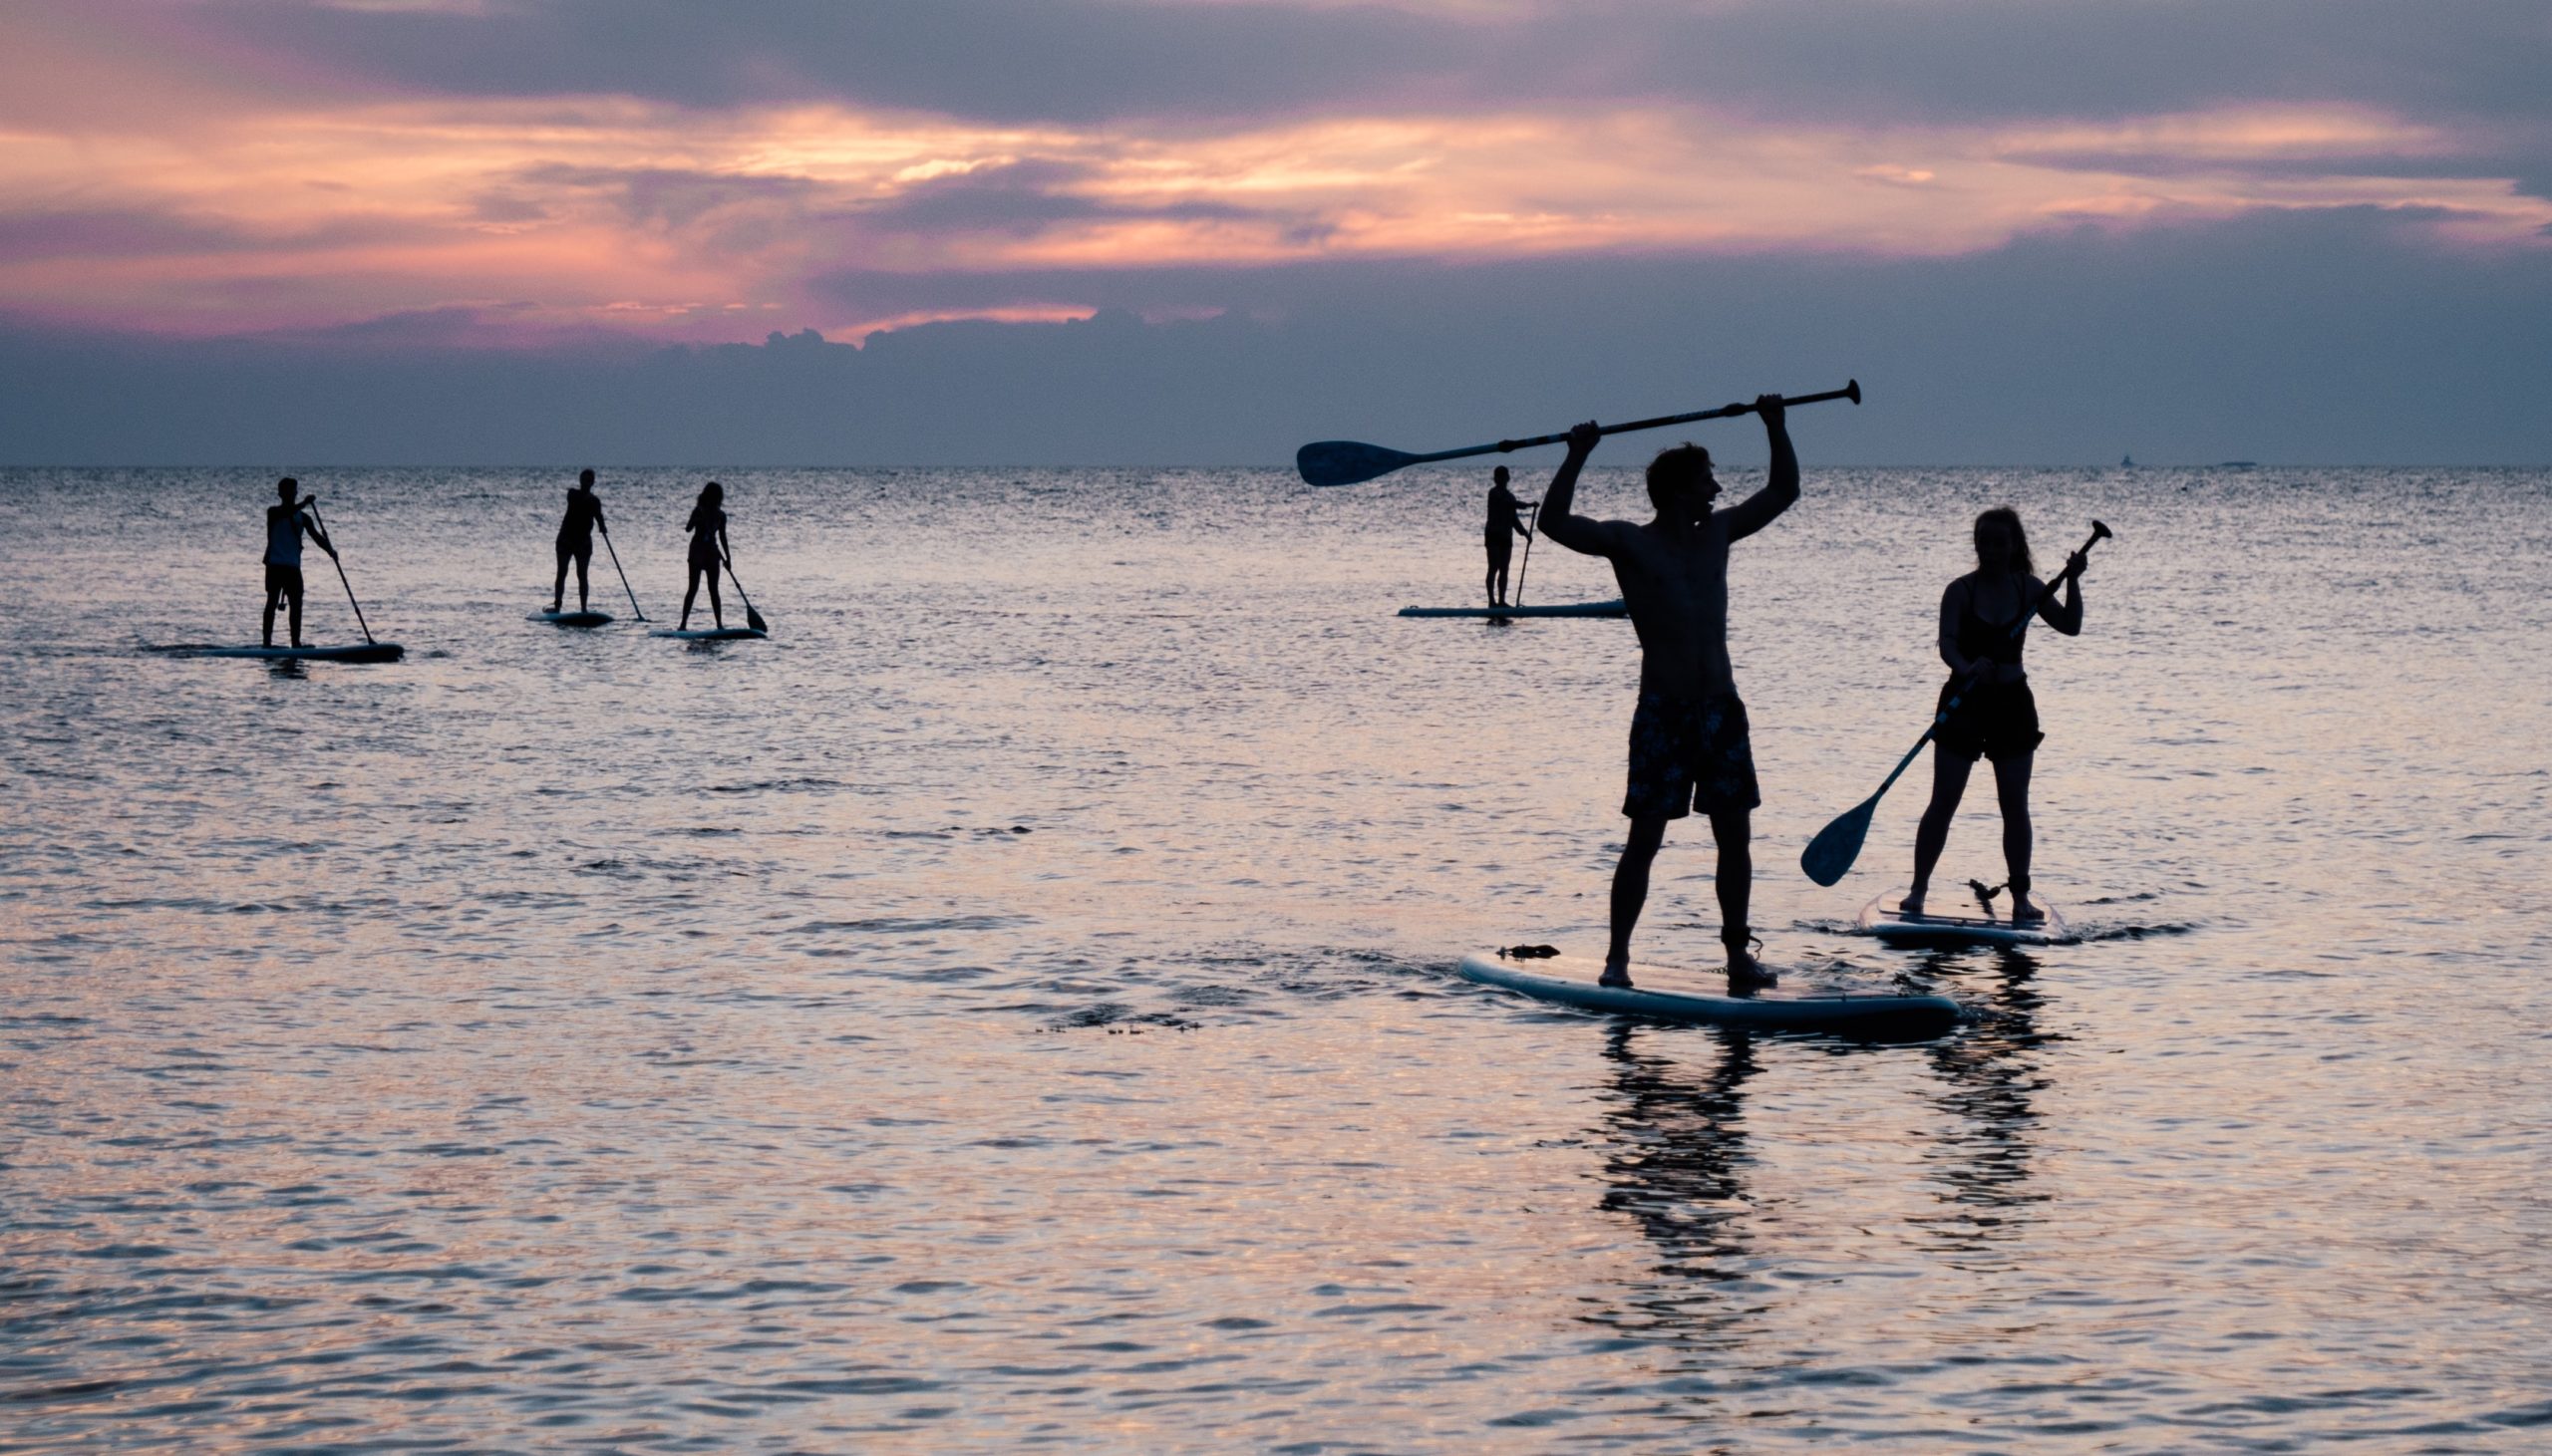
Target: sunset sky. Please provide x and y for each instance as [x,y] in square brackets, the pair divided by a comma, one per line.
[335,196]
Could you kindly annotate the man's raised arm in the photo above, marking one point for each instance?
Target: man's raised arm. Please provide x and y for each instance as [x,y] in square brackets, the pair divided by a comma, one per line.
[1557,520]
[1780,487]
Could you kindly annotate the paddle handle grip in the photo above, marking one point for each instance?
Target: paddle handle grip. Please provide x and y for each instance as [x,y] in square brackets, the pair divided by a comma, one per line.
[1851,390]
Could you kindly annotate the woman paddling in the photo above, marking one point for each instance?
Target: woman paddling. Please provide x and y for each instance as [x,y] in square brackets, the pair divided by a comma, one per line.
[1983,626]
[708,527]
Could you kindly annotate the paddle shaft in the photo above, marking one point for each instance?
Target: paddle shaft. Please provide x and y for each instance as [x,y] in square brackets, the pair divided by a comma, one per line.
[341,573]
[1529,533]
[624,578]
[752,619]
[1851,392]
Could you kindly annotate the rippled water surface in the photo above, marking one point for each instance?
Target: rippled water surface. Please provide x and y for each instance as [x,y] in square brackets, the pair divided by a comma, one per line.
[1015,1005]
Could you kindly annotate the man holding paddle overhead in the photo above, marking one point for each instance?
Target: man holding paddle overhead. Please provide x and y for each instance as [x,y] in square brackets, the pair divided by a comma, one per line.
[1504,525]
[1689,748]
[286,523]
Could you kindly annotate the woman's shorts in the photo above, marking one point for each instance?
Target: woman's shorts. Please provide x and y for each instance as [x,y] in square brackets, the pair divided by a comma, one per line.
[1997,721]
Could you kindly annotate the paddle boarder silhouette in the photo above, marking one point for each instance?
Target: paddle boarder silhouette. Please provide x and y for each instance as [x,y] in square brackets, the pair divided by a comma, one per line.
[1504,525]
[1983,630]
[1689,744]
[576,539]
[708,527]
[286,523]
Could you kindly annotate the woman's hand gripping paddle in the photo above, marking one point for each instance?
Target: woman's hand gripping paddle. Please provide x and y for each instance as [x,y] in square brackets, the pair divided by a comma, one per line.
[1828,857]
[1347,461]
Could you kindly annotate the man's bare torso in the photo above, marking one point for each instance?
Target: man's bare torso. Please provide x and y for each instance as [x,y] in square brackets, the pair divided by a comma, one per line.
[1675,582]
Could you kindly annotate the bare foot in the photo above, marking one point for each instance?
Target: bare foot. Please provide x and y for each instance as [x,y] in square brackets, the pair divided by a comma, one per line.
[1911,905]
[2025,911]
[1617,974]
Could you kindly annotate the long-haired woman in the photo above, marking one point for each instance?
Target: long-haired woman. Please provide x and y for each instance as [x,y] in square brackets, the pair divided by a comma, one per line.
[708,527]
[1984,623]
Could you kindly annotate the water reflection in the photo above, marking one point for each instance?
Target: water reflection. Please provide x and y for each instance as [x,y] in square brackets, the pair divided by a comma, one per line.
[1676,1159]
[1678,1153]
[1990,1078]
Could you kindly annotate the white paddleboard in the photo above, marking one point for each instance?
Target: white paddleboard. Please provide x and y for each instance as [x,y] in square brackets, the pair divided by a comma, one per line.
[712,634]
[1822,1005]
[1883,919]
[361,651]
[571,619]
[1613,608]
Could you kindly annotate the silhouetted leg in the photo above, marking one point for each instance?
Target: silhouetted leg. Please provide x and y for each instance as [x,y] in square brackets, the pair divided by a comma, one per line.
[272,593]
[1734,881]
[1949,785]
[2012,787]
[294,593]
[688,594]
[1736,878]
[558,587]
[1488,583]
[717,608]
[1630,893]
[583,560]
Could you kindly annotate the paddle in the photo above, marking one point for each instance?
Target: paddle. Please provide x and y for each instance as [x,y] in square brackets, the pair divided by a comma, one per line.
[624,576]
[1347,461]
[313,504]
[1830,854]
[752,619]
[1531,531]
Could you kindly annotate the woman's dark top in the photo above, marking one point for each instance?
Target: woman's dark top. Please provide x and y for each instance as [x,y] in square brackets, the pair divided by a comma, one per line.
[1993,641]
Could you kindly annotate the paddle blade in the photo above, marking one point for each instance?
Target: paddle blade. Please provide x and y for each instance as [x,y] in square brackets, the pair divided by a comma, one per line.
[752,619]
[1346,462]
[1828,856]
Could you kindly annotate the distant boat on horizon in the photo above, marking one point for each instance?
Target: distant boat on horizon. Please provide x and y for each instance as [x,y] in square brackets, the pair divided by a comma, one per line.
[2126,463]
[2239,465]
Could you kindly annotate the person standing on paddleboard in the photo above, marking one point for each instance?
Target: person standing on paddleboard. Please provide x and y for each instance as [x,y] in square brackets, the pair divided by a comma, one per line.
[708,527]
[286,523]
[1504,525]
[577,540]
[1983,628]
[1689,748]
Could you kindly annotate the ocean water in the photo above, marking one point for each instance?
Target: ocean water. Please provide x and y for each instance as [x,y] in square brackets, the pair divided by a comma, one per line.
[1014,1005]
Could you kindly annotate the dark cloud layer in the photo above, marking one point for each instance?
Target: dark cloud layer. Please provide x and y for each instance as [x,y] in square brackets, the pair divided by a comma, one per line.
[1860,61]
[2334,337]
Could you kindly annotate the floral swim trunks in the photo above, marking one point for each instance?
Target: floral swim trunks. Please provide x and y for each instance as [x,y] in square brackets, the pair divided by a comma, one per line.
[1688,755]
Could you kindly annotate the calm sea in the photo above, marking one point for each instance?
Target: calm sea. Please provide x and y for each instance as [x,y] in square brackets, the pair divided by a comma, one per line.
[1015,1005]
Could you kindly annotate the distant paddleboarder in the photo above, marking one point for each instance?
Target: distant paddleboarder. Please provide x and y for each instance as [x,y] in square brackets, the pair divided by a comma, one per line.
[576,539]
[1997,714]
[708,527]
[1689,747]
[1504,525]
[286,523]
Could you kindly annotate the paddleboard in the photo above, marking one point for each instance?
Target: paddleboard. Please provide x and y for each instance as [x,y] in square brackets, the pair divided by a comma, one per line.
[362,652]
[1613,608]
[571,619]
[1883,919]
[711,634]
[1691,996]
